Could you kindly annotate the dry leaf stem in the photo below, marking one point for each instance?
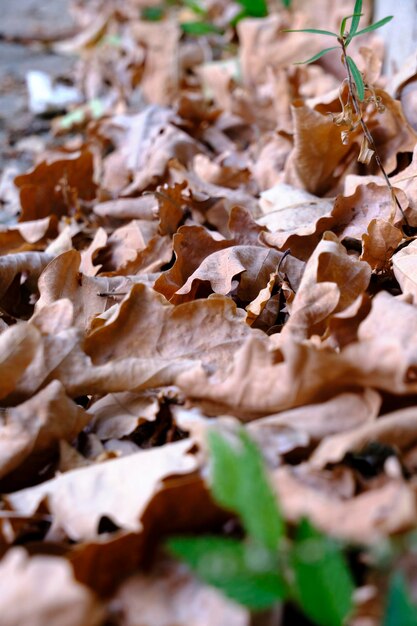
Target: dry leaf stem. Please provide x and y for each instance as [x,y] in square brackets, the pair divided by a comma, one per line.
[365,129]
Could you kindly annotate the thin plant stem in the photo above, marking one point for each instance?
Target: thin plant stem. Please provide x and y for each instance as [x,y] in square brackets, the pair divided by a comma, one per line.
[365,129]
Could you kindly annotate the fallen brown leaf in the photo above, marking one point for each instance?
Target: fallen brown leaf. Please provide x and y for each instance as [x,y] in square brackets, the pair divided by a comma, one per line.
[120,489]
[30,433]
[56,598]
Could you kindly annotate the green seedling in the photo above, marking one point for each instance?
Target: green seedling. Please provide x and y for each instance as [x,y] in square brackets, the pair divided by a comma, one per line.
[265,567]
[360,94]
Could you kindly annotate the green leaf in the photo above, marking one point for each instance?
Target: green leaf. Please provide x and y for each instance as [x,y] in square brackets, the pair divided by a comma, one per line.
[323,582]
[199,28]
[286,3]
[400,610]
[243,572]
[315,31]
[152,14]
[195,6]
[316,56]
[357,77]
[343,23]
[239,483]
[368,29]
[357,11]
[255,8]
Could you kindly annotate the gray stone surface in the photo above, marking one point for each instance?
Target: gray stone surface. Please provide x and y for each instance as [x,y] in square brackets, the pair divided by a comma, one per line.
[48,19]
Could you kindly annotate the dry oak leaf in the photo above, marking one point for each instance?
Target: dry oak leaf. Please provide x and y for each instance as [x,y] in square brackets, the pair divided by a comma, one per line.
[379,244]
[226,170]
[317,154]
[117,415]
[192,244]
[120,489]
[257,383]
[394,135]
[370,201]
[366,518]
[150,260]
[56,186]
[23,237]
[404,187]
[143,208]
[81,376]
[171,207]
[30,264]
[169,594]
[226,197]
[182,504]
[99,241]
[331,282]
[384,355]
[254,264]
[160,78]
[62,279]
[407,181]
[170,143]
[56,352]
[30,432]
[42,590]
[209,330]
[243,229]
[295,219]
[262,381]
[144,144]
[344,412]
[404,264]
[397,429]
[18,347]
[124,244]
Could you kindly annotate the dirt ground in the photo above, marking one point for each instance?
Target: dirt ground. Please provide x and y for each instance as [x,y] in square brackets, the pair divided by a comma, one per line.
[26,27]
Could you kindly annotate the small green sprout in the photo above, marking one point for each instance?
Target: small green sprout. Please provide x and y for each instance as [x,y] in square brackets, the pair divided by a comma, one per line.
[344,38]
[359,93]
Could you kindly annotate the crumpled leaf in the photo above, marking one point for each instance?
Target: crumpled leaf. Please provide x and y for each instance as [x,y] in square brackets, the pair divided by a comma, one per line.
[404,265]
[27,263]
[192,244]
[365,518]
[354,213]
[161,74]
[379,243]
[295,218]
[175,333]
[83,291]
[30,432]
[317,151]
[345,412]
[331,282]
[398,428]
[118,415]
[253,263]
[18,347]
[56,186]
[260,381]
[170,593]
[23,237]
[60,355]
[56,598]
[120,489]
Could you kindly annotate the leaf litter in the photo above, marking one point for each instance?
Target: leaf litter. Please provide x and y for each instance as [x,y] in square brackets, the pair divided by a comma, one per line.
[199,248]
